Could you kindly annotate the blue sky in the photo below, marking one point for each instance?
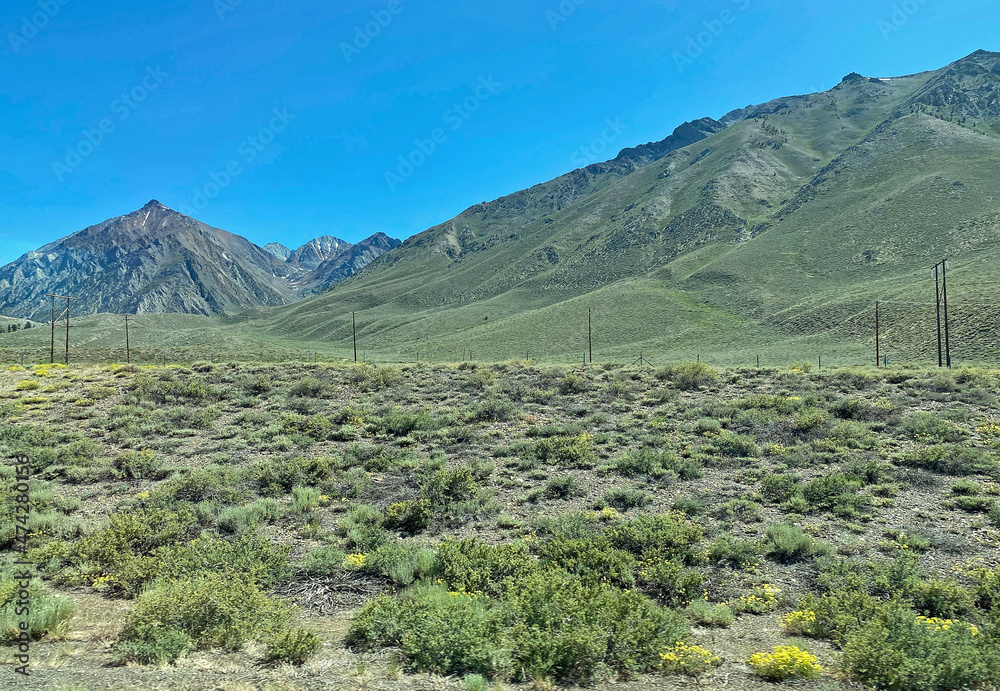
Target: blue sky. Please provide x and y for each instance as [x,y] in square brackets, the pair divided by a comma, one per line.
[282,120]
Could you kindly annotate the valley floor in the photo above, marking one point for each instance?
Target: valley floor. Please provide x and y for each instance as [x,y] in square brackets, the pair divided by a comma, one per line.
[505,526]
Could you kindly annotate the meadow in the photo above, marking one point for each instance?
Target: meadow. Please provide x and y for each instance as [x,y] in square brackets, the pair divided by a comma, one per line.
[509,526]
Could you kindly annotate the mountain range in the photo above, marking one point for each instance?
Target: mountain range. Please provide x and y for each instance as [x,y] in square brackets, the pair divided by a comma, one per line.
[779,223]
[774,228]
[158,260]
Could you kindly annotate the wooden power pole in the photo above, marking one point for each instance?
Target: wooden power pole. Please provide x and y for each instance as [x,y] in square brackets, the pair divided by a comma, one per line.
[937,290]
[52,356]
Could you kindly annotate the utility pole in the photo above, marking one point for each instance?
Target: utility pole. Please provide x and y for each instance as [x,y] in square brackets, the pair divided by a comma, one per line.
[590,334]
[354,323]
[944,293]
[128,345]
[52,357]
[52,352]
[878,359]
[67,332]
[937,290]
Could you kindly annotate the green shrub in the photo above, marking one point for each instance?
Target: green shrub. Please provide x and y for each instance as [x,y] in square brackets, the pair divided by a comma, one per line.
[547,626]
[139,465]
[788,544]
[735,552]
[304,499]
[409,517]
[474,567]
[446,486]
[198,613]
[593,559]
[940,598]
[928,427]
[861,410]
[564,487]
[496,409]
[688,376]
[564,630]
[626,498]
[436,630]
[657,464]
[895,650]
[402,564]
[951,460]
[779,488]
[242,520]
[293,646]
[737,445]
[211,483]
[47,614]
[362,529]
[576,452]
[311,387]
[838,493]
[666,537]
[670,583]
[373,378]
[321,561]
[966,488]
[400,423]
[475,682]
[705,613]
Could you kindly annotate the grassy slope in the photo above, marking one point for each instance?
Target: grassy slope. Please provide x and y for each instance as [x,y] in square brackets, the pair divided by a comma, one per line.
[773,237]
[730,247]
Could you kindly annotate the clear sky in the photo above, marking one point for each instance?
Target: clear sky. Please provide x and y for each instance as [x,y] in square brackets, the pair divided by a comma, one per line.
[301,118]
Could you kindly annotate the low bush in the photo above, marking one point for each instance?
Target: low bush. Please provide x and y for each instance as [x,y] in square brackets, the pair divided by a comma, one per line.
[705,613]
[626,498]
[293,646]
[45,614]
[475,567]
[363,529]
[779,488]
[735,552]
[198,613]
[321,561]
[784,663]
[928,427]
[788,544]
[409,517]
[898,650]
[952,459]
[688,376]
[691,660]
[548,626]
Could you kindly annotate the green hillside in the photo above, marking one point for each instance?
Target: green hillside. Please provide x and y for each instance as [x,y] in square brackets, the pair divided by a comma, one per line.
[770,232]
[774,236]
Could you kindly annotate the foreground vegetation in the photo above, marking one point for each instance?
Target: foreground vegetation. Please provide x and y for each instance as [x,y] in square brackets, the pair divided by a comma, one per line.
[506,525]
